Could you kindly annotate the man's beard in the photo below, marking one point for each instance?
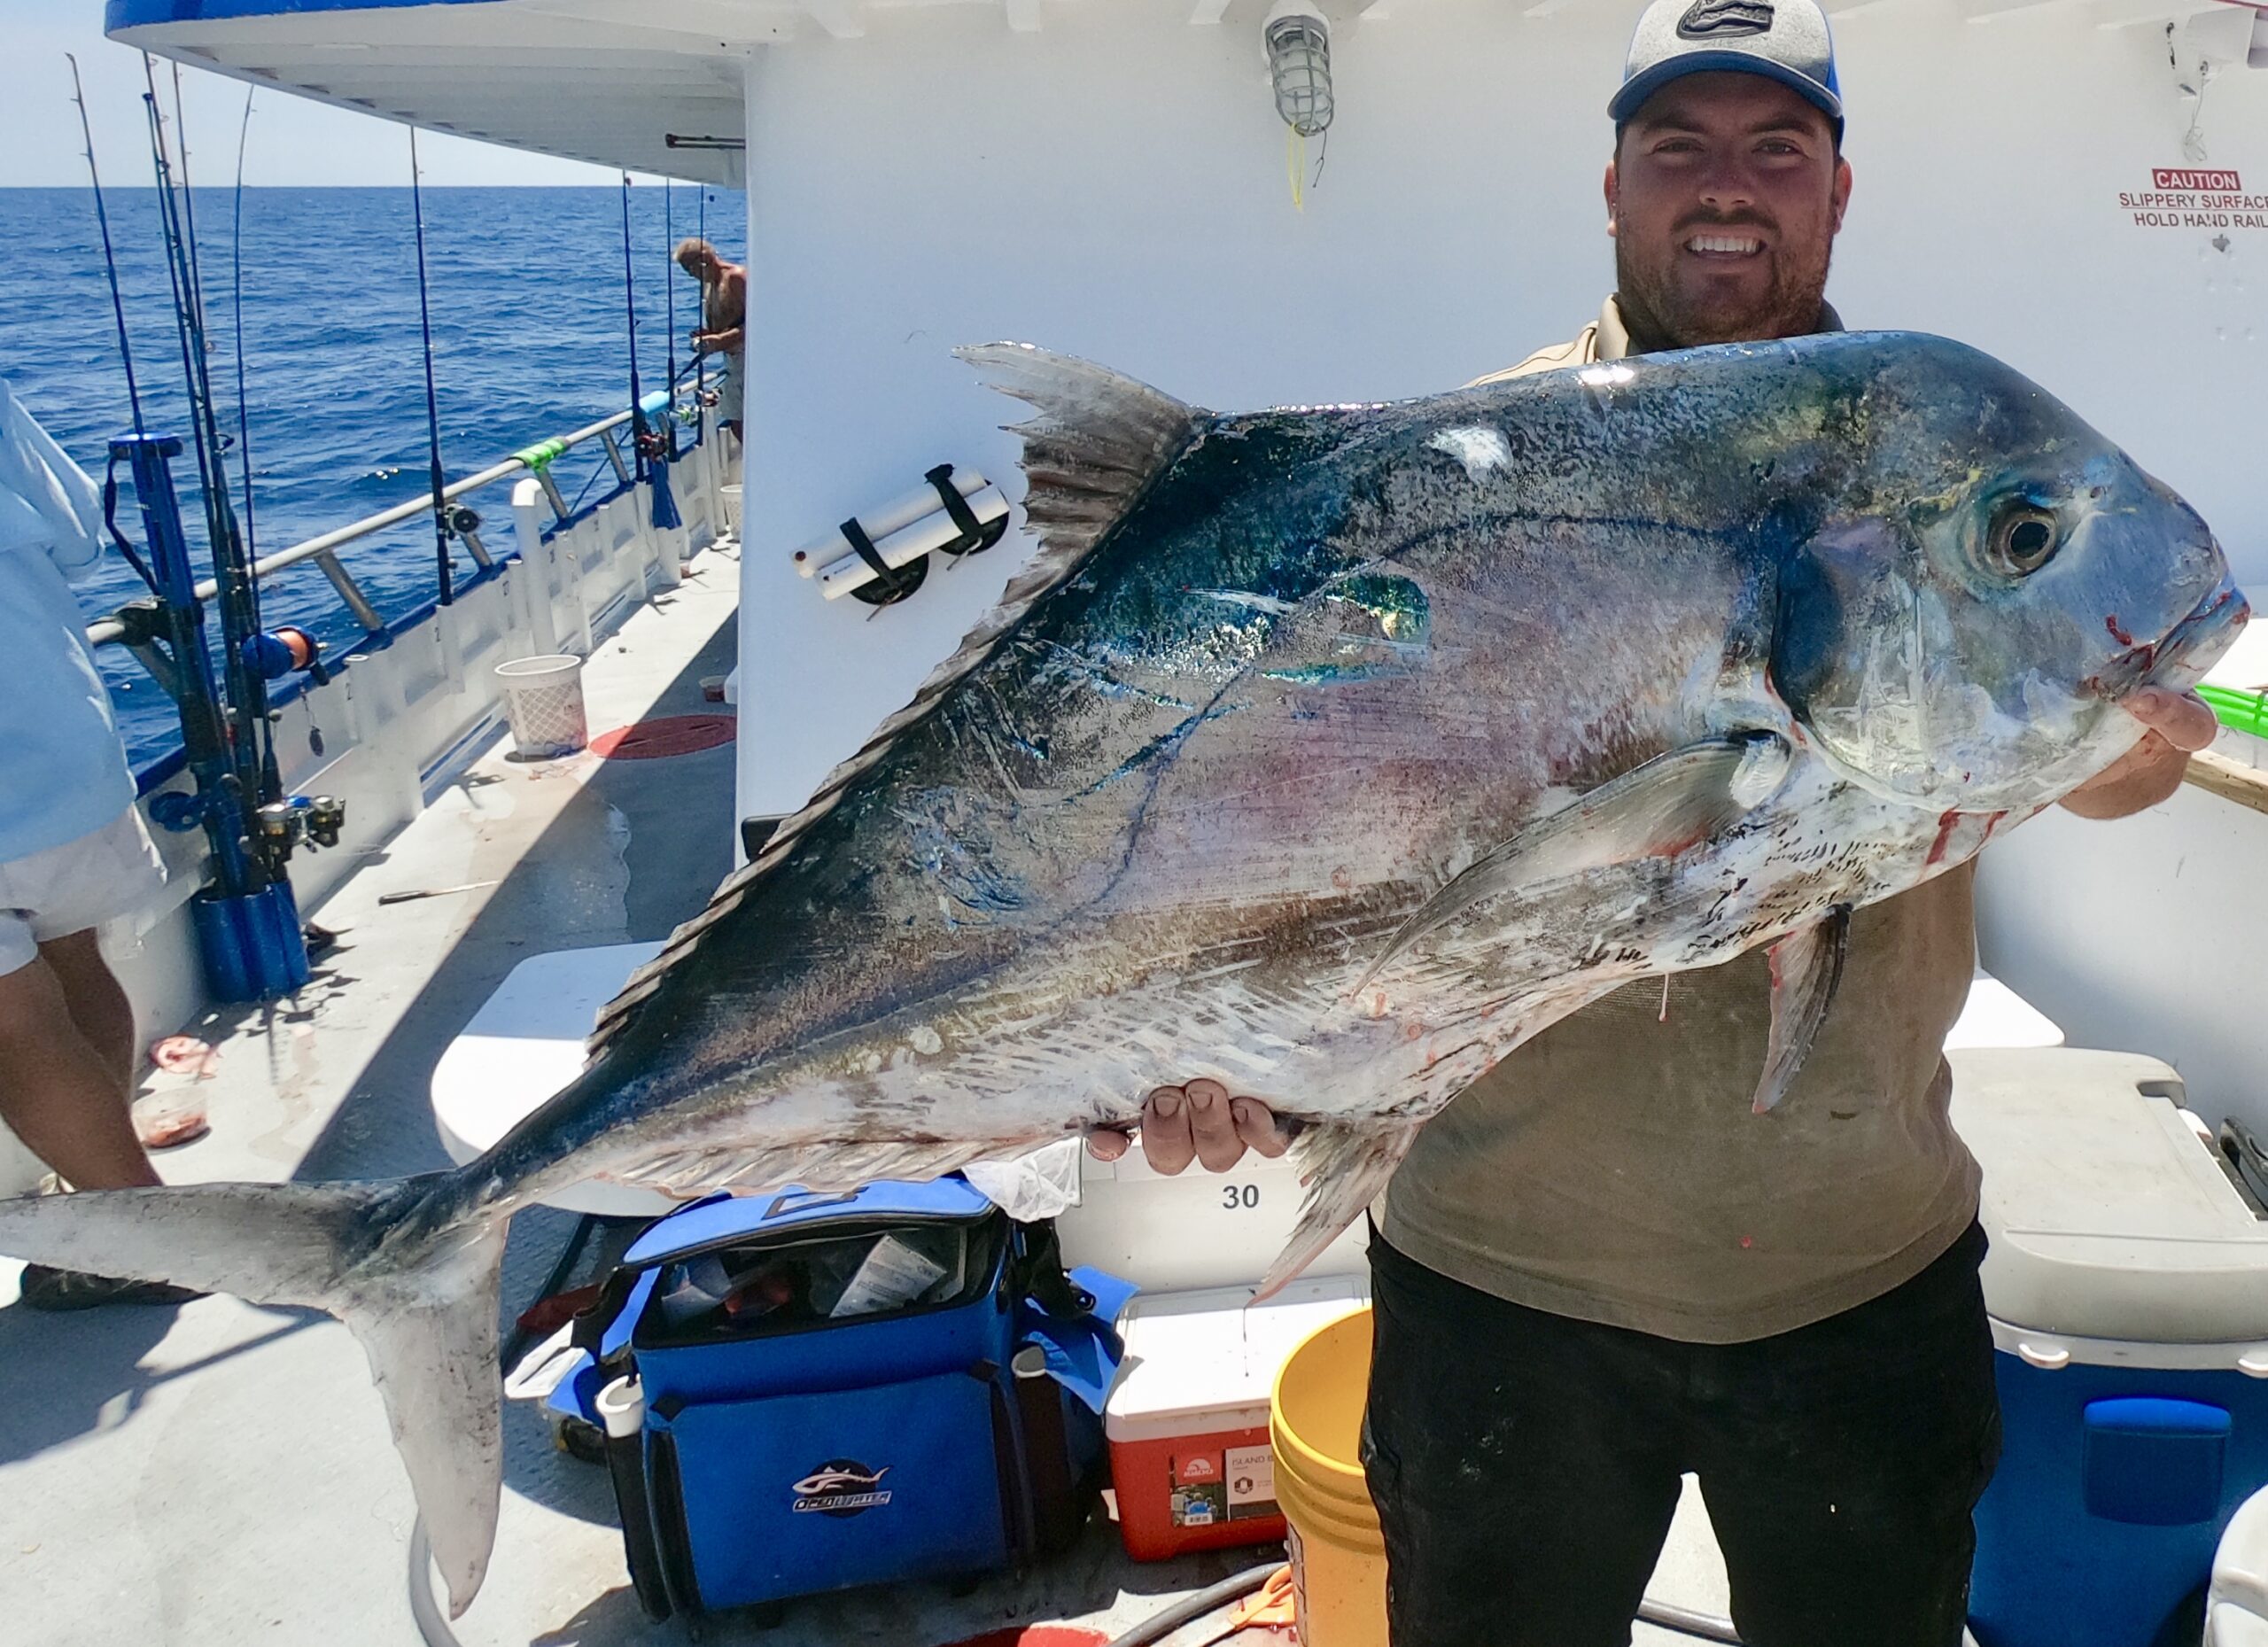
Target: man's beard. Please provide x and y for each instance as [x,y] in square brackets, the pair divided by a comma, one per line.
[1660,317]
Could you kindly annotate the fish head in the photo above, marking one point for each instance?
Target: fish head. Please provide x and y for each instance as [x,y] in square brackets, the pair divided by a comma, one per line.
[1958,627]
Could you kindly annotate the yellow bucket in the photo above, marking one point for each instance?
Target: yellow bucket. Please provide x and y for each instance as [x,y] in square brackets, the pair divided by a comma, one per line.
[1315,1421]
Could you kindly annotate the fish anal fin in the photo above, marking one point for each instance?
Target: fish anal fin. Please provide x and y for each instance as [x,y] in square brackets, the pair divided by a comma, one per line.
[1807,968]
[1656,809]
[1345,1167]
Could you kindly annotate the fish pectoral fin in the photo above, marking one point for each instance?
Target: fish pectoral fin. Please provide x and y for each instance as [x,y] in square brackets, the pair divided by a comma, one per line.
[1344,1167]
[1806,967]
[1657,810]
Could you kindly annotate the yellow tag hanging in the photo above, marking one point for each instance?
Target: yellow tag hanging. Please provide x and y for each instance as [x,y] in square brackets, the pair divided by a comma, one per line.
[1295,164]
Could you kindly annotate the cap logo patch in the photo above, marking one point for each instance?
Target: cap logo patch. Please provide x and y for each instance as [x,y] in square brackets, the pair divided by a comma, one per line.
[1725,19]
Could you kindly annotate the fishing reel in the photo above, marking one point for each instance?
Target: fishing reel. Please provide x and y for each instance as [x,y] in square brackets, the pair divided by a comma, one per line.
[656,442]
[272,654]
[281,827]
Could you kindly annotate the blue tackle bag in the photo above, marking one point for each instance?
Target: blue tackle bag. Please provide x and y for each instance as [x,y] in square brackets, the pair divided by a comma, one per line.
[803,1392]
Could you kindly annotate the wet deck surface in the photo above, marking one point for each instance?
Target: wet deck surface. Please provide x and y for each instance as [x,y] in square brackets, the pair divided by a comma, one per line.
[221,1473]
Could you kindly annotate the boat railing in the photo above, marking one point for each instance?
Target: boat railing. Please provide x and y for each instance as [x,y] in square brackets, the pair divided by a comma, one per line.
[324,549]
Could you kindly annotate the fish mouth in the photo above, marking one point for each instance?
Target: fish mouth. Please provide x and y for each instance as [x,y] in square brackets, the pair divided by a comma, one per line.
[2180,658]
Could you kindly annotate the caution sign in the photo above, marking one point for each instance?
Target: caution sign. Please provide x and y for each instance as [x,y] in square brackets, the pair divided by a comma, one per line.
[2182,196]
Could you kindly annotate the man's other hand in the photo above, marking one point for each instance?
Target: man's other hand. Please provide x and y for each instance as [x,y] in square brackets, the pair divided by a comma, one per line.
[2179,723]
[1199,1121]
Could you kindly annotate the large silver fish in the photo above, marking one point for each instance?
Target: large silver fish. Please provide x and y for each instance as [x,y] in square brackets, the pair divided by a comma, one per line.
[1332,751]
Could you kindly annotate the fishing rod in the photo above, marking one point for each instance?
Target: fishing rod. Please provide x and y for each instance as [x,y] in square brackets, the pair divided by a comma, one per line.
[669,320]
[237,324]
[248,735]
[639,438]
[653,453]
[432,406]
[125,347]
[700,377]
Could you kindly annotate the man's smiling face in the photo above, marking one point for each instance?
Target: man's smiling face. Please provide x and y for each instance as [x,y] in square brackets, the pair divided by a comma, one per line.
[1724,197]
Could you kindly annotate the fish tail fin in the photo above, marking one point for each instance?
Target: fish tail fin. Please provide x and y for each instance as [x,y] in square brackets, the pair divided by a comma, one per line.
[418,1288]
[1099,438]
[1345,1168]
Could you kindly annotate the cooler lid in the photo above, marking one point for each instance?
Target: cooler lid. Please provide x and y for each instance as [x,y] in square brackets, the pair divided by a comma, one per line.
[2109,1218]
[799,1211]
[1198,1356]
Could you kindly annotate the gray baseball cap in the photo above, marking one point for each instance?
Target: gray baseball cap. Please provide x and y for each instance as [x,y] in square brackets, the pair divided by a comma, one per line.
[1783,40]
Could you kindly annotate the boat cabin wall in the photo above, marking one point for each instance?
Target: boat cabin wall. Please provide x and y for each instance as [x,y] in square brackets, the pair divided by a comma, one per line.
[1115,185]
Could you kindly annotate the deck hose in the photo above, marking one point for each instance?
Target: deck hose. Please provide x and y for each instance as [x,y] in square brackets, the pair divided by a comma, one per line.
[434,1626]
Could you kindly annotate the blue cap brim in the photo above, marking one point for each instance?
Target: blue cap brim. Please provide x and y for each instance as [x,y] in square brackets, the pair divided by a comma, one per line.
[1636,89]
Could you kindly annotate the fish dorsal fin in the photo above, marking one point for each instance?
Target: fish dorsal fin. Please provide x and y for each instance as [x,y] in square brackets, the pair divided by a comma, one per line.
[1097,441]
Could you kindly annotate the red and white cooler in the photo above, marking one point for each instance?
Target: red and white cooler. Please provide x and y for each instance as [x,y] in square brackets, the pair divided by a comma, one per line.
[1187,1423]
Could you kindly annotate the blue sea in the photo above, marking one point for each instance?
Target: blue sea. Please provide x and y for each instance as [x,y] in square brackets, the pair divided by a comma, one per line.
[530,339]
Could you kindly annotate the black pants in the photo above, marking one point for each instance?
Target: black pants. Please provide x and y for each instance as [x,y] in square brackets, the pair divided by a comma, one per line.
[1525,1465]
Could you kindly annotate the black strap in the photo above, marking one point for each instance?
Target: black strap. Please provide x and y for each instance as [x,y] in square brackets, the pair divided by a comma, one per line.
[1040,1277]
[590,1324]
[973,536]
[894,583]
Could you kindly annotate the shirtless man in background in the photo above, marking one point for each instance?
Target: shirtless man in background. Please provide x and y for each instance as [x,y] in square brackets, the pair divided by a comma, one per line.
[724,315]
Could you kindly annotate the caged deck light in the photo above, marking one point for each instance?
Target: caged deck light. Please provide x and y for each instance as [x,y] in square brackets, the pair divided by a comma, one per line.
[1297,41]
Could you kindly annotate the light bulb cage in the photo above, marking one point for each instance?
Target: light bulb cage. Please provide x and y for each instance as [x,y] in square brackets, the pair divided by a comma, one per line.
[1299,67]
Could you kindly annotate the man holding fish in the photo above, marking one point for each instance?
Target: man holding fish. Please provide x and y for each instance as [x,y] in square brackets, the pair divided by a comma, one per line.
[1361,747]
[1597,1270]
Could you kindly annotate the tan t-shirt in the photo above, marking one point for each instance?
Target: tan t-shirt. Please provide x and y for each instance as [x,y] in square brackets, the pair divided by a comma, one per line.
[1611,1169]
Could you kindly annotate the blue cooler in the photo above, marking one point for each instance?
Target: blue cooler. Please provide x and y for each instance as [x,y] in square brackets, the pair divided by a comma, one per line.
[2128,1286]
[808,1392]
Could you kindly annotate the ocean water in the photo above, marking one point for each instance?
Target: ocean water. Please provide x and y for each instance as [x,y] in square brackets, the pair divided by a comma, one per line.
[530,339]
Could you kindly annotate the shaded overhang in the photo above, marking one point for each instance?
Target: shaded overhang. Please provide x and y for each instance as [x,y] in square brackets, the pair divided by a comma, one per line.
[656,85]
[650,85]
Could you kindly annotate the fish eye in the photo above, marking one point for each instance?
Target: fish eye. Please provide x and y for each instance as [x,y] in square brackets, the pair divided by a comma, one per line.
[2024,537]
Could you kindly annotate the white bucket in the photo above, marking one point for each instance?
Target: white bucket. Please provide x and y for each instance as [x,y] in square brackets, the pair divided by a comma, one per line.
[543,699]
[732,497]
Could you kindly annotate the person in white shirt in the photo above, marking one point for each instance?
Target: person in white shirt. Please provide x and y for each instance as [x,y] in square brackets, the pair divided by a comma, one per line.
[74,854]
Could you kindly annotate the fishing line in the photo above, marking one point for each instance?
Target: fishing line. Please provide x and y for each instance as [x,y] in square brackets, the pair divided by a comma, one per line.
[432,406]
[118,312]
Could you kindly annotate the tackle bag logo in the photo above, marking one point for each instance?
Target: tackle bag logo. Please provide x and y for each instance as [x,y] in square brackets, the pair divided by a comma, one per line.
[841,1487]
[1725,19]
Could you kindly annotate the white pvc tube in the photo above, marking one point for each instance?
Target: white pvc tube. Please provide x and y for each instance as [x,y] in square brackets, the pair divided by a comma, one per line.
[534,583]
[893,517]
[926,535]
[622,1407]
